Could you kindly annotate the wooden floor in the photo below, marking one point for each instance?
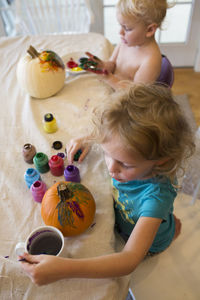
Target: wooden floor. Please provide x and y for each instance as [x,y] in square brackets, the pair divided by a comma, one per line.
[187,81]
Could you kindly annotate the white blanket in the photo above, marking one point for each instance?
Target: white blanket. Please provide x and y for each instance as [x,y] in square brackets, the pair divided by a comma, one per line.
[175,273]
[21,122]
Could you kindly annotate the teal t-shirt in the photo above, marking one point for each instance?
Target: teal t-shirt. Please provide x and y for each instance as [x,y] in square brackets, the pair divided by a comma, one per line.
[146,198]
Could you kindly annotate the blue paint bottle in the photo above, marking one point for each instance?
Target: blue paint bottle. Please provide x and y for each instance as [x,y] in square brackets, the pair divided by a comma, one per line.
[31,175]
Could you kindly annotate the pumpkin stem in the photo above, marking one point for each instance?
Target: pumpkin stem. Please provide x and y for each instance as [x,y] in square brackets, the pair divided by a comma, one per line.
[63,192]
[33,52]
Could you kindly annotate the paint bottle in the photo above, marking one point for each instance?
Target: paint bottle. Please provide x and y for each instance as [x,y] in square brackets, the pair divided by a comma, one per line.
[71,173]
[77,155]
[41,162]
[31,175]
[38,189]
[49,123]
[62,154]
[56,164]
[28,152]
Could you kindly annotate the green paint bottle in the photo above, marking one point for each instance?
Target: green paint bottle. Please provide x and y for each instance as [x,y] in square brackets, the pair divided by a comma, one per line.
[41,162]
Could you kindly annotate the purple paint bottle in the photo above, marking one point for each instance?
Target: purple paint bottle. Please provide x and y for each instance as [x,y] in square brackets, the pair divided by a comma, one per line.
[38,189]
[71,173]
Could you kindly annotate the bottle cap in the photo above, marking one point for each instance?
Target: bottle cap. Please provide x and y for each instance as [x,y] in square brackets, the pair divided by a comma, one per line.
[48,117]
[57,145]
[27,146]
[30,172]
[40,156]
[61,154]
[54,158]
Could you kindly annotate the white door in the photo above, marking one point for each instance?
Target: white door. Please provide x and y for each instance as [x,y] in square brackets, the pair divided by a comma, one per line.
[180,41]
[179,38]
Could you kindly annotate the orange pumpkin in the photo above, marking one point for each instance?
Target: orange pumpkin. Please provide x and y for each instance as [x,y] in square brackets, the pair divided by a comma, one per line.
[68,206]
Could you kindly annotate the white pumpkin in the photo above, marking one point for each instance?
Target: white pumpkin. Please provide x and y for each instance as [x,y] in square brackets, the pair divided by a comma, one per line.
[41,75]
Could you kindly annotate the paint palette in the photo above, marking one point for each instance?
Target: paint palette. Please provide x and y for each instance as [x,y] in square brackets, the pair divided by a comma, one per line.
[71,62]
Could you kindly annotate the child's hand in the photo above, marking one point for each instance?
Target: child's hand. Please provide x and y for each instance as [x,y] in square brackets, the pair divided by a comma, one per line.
[98,61]
[73,146]
[93,64]
[42,269]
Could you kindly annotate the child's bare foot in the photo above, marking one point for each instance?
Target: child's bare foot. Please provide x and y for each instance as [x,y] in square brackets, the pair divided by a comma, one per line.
[177,227]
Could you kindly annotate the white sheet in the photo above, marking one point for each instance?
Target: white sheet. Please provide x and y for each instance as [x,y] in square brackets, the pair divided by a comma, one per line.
[21,122]
[175,273]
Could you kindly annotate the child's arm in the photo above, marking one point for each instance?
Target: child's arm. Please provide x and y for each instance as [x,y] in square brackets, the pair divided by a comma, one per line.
[115,82]
[149,70]
[113,59]
[111,79]
[106,69]
[44,269]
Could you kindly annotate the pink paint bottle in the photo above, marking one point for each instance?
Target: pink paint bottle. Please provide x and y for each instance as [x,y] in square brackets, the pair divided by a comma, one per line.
[56,164]
[38,189]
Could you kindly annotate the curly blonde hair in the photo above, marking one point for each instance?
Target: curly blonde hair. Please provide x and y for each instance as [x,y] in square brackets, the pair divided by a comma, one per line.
[149,122]
[150,11]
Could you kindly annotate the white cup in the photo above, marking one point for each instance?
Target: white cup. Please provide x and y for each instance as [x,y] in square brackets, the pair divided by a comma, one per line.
[42,240]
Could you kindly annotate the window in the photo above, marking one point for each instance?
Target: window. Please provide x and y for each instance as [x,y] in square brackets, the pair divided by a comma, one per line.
[173,30]
[6,17]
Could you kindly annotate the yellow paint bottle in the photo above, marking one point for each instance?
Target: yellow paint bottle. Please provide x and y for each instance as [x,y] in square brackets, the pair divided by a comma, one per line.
[49,123]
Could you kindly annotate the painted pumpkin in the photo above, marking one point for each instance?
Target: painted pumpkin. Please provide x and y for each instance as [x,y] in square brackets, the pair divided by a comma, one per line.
[41,75]
[68,206]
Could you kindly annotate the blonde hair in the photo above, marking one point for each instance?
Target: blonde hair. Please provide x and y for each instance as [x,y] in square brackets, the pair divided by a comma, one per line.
[150,11]
[149,122]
